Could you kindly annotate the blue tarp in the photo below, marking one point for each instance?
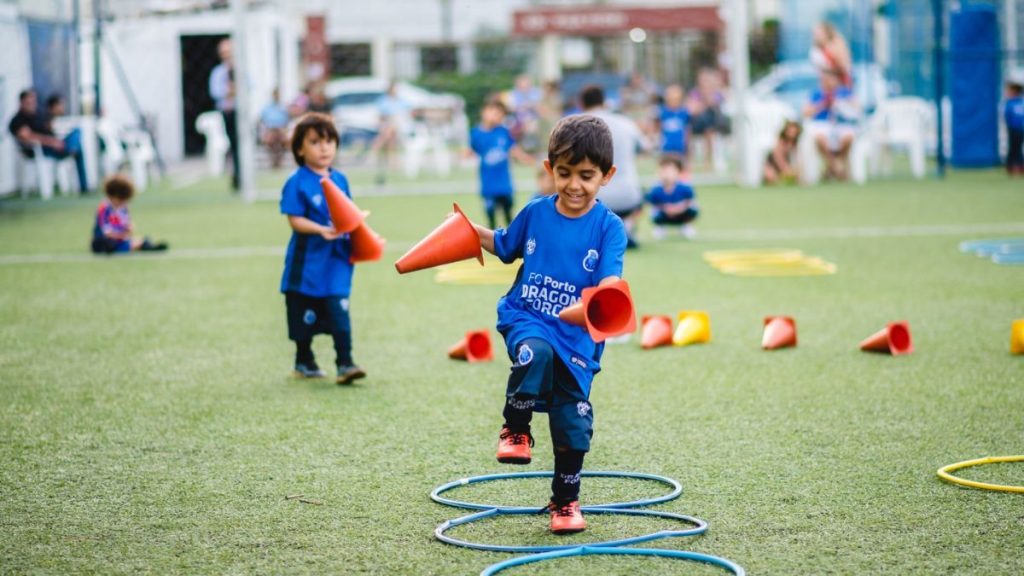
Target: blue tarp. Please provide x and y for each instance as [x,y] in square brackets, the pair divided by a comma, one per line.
[974,86]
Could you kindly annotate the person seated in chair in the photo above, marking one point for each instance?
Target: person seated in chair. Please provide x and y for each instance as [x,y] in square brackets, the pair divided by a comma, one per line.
[29,128]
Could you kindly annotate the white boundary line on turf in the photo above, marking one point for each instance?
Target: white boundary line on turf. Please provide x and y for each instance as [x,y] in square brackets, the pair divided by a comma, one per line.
[719,235]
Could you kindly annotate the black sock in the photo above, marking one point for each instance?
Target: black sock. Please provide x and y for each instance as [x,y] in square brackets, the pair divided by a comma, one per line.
[518,413]
[304,353]
[565,486]
[343,348]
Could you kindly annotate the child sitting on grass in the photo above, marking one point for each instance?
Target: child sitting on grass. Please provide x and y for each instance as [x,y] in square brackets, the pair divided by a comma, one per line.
[113,231]
[568,241]
[317,279]
[779,166]
[672,199]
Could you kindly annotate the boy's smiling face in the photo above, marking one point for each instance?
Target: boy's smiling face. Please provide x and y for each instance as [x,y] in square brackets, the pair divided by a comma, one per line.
[577,185]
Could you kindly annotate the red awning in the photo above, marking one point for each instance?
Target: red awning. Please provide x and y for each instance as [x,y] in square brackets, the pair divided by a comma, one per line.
[601,20]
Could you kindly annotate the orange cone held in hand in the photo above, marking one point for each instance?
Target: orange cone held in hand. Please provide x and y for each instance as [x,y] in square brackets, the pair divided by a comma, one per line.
[605,311]
[455,239]
[779,332]
[655,331]
[694,328]
[474,347]
[1017,337]
[367,246]
[894,339]
[345,215]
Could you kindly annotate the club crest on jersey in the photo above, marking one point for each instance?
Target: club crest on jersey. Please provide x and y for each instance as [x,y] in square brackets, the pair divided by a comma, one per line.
[531,245]
[318,199]
[309,317]
[525,355]
[590,260]
[583,408]
[344,304]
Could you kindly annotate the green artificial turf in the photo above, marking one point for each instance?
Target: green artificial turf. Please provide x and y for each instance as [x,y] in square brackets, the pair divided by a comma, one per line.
[149,424]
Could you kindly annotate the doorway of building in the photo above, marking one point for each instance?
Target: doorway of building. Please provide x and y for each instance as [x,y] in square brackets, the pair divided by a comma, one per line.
[198,59]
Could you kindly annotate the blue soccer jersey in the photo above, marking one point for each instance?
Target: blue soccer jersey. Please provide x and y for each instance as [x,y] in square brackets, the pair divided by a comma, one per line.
[834,106]
[658,197]
[1013,113]
[314,266]
[492,146]
[561,256]
[673,129]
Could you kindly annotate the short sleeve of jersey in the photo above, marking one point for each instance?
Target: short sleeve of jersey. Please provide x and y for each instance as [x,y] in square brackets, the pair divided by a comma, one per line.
[656,195]
[613,249]
[508,242]
[292,202]
[683,192]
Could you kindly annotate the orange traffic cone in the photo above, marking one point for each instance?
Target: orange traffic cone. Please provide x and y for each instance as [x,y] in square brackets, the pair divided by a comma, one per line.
[474,347]
[694,328]
[367,246]
[655,331]
[1017,337]
[779,332]
[345,215]
[605,311]
[893,339]
[455,239]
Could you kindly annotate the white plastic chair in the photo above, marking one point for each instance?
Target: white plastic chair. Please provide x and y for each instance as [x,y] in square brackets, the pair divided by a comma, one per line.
[43,173]
[141,154]
[810,158]
[763,121]
[113,155]
[901,123]
[211,126]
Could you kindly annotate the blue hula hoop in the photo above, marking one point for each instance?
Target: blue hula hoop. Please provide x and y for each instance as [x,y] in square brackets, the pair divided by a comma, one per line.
[677,489]
[592,551]
[699,527]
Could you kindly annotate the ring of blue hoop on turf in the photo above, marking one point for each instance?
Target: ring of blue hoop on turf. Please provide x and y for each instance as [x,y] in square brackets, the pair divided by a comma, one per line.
[609,547]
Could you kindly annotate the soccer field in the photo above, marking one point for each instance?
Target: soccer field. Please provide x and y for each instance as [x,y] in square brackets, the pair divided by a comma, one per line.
[149,423]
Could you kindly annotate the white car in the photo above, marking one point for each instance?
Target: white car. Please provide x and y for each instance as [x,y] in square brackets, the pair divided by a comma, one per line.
[354,103]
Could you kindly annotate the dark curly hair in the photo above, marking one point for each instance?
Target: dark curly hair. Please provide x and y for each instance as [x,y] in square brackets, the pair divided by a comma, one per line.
[320,123]
[119,186]
[581,136]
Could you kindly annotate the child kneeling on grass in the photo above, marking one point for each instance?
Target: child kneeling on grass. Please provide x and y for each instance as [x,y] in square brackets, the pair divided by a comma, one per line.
[113,231]
[317,279]
[568,241]
[672,199]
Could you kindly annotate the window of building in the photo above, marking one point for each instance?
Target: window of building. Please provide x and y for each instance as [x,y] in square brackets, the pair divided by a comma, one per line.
[439,59]
[350,59]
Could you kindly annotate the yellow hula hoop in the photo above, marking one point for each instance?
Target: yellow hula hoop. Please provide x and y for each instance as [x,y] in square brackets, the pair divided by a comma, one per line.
[945,473]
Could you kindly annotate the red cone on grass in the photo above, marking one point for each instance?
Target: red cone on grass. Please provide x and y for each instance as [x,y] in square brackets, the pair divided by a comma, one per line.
[779,332]
[345,215]
[894,339]
[605,311]
[474,347]
[655,331]
[455,239]
[367,246]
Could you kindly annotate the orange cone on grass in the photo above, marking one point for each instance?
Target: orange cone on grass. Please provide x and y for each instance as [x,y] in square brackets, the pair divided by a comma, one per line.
[894,339]
[474,347]
[1017,337]
[694,328]
[655,331]
[345,215]
[605,311]
[367,246]
[455,239]
[779,332]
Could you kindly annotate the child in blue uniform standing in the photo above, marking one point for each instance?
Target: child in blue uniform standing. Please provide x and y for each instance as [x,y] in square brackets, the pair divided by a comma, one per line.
[493,143]
[568,242]
[1013,115]
[317,279]
[674,121]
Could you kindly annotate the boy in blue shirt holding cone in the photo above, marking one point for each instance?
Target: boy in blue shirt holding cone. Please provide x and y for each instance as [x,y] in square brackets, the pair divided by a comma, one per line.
[568,241]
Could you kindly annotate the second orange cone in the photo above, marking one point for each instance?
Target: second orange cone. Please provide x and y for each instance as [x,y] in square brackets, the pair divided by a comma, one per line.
[779,332]
[894,339]
[655,331]
[474,347]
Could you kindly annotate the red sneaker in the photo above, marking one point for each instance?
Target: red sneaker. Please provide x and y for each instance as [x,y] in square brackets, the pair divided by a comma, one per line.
[514,447]
[567,518]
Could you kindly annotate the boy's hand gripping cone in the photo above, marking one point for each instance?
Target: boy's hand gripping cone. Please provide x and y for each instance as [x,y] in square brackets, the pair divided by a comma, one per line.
[474,347]
[455,239]
[894,339]
[779,332]
[345,215]
[1017,337]
[605,311]
[367,246]
[694,328]
[655,331]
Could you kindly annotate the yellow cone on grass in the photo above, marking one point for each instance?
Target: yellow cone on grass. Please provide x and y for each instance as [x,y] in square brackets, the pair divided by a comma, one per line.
[694,328]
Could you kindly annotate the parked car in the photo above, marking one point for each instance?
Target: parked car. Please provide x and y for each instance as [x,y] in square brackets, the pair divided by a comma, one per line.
[793,82]
[354,104]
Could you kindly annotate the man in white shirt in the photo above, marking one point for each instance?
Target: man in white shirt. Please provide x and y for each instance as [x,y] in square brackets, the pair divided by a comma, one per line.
[222,90]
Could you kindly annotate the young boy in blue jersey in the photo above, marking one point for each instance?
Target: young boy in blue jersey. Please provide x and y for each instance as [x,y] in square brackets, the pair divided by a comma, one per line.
[674,121]
[317,279]
[568,241]
[672,200]
[1013,115]
[493,143]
